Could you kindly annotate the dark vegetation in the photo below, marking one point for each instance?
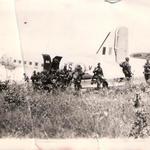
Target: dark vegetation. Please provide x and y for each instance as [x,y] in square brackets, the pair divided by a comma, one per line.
[114,112]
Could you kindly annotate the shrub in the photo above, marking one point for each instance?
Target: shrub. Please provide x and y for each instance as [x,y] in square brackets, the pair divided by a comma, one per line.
[104,113]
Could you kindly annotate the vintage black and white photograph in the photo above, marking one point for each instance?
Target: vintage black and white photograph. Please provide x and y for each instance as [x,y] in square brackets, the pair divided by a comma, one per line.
[74,69]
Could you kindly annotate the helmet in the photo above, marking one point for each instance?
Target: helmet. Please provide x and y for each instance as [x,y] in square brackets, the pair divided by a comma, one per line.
[127,58]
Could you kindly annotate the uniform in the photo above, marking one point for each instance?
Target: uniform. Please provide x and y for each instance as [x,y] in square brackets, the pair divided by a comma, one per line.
[99,76]
[126,68]
[98,73]
[147,70]
[77,77]
[65,75]
[26,78]
[34,77]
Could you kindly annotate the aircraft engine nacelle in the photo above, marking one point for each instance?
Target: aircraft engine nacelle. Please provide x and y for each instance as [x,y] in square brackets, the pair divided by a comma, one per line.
[56,62]
[47,62]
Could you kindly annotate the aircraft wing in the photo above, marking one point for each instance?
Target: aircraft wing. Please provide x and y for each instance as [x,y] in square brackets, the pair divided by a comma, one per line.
[141,55]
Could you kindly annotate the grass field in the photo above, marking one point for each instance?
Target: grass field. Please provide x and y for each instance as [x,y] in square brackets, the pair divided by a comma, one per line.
[104,113]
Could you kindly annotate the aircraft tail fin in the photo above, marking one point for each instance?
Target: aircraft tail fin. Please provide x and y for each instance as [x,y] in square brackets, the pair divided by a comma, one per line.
[121,44]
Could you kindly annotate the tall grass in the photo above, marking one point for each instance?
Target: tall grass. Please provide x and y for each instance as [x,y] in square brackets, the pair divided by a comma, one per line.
[104,113]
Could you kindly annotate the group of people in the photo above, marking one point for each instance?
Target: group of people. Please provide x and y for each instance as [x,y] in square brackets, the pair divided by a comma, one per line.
[126,68]
[64,78]
[54,79]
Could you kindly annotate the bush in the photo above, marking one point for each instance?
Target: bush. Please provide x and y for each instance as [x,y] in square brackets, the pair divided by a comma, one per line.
[104,113]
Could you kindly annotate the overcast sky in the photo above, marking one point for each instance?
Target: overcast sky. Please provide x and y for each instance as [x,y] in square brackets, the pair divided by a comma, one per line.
[70,27]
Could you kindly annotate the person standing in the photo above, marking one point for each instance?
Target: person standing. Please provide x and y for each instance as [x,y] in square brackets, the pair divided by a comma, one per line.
[126,68]
[147,70]
[77,77]
[98,71]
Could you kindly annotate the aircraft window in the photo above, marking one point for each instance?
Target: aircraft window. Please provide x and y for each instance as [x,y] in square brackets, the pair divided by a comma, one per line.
[47,61]
[30,63]
[25,62]
[36,63]
[15,61]
[110,50]
[19,61]
[104,51]
[42,65]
